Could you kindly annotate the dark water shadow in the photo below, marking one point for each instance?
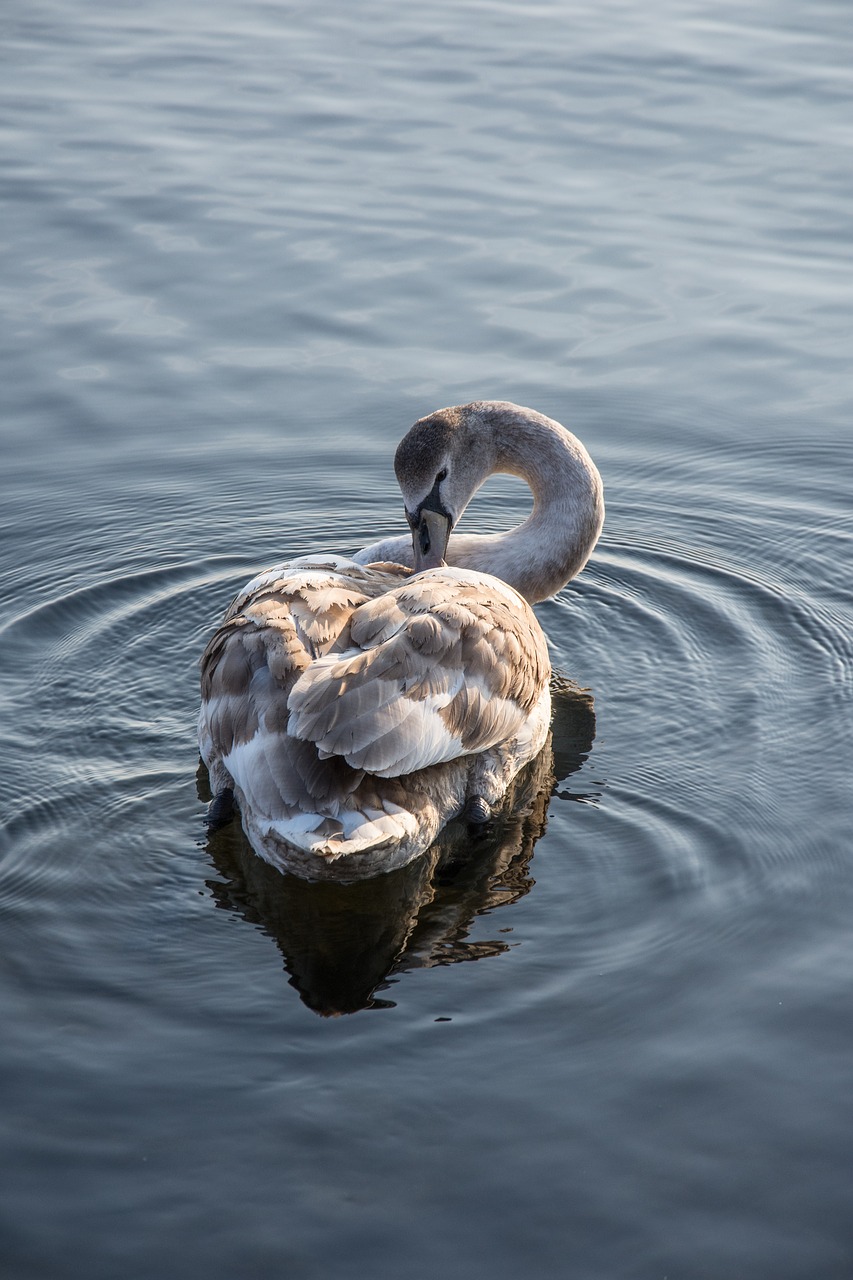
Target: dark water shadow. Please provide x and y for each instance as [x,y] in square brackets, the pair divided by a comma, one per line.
[342,944]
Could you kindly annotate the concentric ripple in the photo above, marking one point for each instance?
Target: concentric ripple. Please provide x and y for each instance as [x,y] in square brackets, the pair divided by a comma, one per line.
[719,648]
[712,629]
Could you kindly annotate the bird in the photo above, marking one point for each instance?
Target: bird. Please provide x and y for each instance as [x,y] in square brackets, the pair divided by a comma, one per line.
[353,706]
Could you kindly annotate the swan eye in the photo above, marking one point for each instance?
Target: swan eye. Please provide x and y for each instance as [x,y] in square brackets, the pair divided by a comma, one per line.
[442,475]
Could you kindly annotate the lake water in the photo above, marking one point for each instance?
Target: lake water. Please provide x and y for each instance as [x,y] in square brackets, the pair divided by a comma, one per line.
[244,246]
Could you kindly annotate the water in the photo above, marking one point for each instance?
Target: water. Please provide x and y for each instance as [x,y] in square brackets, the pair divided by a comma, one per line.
[244,247]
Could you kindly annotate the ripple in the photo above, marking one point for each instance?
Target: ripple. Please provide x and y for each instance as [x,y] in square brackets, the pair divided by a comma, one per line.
[717,665]
[105,681]
[701,629]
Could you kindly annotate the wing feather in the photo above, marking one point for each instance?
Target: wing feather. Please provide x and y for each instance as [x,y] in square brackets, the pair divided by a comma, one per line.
[324,673]
[273,631]
[446,664]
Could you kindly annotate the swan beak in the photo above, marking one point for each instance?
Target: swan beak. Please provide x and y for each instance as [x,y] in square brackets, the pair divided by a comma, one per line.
[429,539]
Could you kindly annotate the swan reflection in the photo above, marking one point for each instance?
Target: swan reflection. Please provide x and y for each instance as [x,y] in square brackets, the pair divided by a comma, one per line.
[342,944]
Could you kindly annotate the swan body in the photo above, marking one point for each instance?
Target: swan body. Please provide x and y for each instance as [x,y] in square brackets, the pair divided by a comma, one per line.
[354,706]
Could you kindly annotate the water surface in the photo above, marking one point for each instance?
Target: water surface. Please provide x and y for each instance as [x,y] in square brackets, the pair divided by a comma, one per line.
[243,248]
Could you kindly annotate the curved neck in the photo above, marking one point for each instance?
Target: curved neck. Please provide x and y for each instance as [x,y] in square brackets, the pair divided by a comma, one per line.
[554,543]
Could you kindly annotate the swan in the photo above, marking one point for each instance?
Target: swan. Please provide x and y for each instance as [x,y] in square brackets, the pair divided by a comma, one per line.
[353,706]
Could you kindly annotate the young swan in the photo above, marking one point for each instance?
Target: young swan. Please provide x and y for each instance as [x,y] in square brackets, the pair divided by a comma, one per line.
[353,707]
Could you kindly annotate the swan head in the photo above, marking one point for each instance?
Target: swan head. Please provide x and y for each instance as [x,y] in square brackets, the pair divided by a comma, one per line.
[444,458]
[440,462]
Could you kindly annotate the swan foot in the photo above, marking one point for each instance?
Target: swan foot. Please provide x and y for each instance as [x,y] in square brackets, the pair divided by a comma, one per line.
[221,809]
[477,811]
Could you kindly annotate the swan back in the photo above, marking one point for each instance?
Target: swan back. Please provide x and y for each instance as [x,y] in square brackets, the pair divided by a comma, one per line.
[354,709]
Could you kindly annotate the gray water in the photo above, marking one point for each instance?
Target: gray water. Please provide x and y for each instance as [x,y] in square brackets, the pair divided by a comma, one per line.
[244,246]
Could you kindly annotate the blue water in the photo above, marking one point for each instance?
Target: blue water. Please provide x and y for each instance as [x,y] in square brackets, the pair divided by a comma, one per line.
[243,248]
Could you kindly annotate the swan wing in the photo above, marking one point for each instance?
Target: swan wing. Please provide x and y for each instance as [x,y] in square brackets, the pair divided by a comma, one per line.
[447,664]
[281,623]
